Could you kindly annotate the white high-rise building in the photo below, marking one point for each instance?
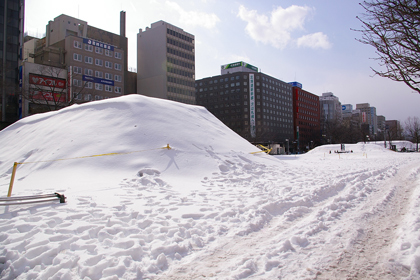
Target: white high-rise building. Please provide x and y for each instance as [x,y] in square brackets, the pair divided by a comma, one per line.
[166,63]
[331,109]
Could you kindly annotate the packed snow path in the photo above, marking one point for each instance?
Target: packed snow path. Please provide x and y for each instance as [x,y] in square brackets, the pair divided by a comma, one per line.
[355,219]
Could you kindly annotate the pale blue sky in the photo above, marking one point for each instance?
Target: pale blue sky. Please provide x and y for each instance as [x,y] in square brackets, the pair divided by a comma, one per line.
[308,41]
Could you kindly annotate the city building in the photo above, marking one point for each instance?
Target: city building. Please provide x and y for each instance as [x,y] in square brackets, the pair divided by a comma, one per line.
[393,130]
[166,63]
[331,110]
[331,116]
[12,27]
[95,61]
[381,121]
[352,126]
[306,117]
[369,117]
[255,105]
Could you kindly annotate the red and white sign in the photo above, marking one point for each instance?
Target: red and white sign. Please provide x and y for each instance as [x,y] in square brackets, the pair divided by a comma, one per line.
[49,96]
[364,117]
[51,82]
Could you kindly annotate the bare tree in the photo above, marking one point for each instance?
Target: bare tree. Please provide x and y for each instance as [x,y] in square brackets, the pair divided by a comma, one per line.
[392,27]
[49,88]
[412,130]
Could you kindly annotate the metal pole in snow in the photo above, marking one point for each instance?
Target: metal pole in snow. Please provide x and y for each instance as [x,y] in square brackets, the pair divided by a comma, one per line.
[12,179]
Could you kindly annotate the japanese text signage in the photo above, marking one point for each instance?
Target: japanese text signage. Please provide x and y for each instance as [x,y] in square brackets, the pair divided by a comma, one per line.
[252,105]
[98,44]
[51,82]
[48,96]
[98,80]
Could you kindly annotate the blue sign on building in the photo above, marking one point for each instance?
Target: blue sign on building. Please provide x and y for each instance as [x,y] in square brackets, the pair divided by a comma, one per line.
[296,84]
[98,44]
[97,80]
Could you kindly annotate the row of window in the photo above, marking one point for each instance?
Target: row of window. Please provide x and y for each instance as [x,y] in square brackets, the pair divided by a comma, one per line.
[98,61]
[180,72]
[179,35]
[88,97]
[98,74]
[180,63]
[179,44]
[98,50]
[180,81]
[180,54]
[285,86]
[309,96]
[307,112]
[245,84]
[180,91]
[89,85]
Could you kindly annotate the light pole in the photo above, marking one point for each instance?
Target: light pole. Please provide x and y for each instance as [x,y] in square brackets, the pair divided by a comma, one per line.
[287,141]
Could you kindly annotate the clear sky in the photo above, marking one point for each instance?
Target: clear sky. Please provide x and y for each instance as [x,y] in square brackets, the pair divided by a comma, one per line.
[309,41]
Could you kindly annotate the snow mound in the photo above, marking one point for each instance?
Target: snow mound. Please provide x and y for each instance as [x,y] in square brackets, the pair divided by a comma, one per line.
[370,147]
[133,129]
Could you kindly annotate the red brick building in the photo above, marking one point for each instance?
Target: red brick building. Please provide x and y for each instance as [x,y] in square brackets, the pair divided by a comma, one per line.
[306,118]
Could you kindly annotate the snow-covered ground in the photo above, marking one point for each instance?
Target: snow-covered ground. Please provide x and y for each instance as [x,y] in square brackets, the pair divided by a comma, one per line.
[206,208]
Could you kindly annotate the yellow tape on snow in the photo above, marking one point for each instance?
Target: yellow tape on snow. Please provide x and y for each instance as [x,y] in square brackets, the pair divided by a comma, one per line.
[12,179]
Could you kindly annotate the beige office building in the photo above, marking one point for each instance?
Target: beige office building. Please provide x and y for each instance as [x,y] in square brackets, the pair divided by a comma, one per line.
[94,58]
[166,63]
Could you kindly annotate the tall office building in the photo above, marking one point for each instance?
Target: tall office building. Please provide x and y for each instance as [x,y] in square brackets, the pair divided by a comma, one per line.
[369,117]
[256,106]
[166,63]
[331,110]
[306,111]
[11,42]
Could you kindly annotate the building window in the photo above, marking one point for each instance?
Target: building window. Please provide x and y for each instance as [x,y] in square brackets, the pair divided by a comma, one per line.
[77,44]
[108,64]
[88,48]
[108,53]
[117,89]
[108,88]
[117,66]
[77,70]
[77,57]
[77,83]
[88,72]
[98,50]
[99,62]
[98,86]
[118,55]
[78,96]
[89,85]
[117,78]
[98,74]
[108,76]
[98,97]
[88,97]
[88,59]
